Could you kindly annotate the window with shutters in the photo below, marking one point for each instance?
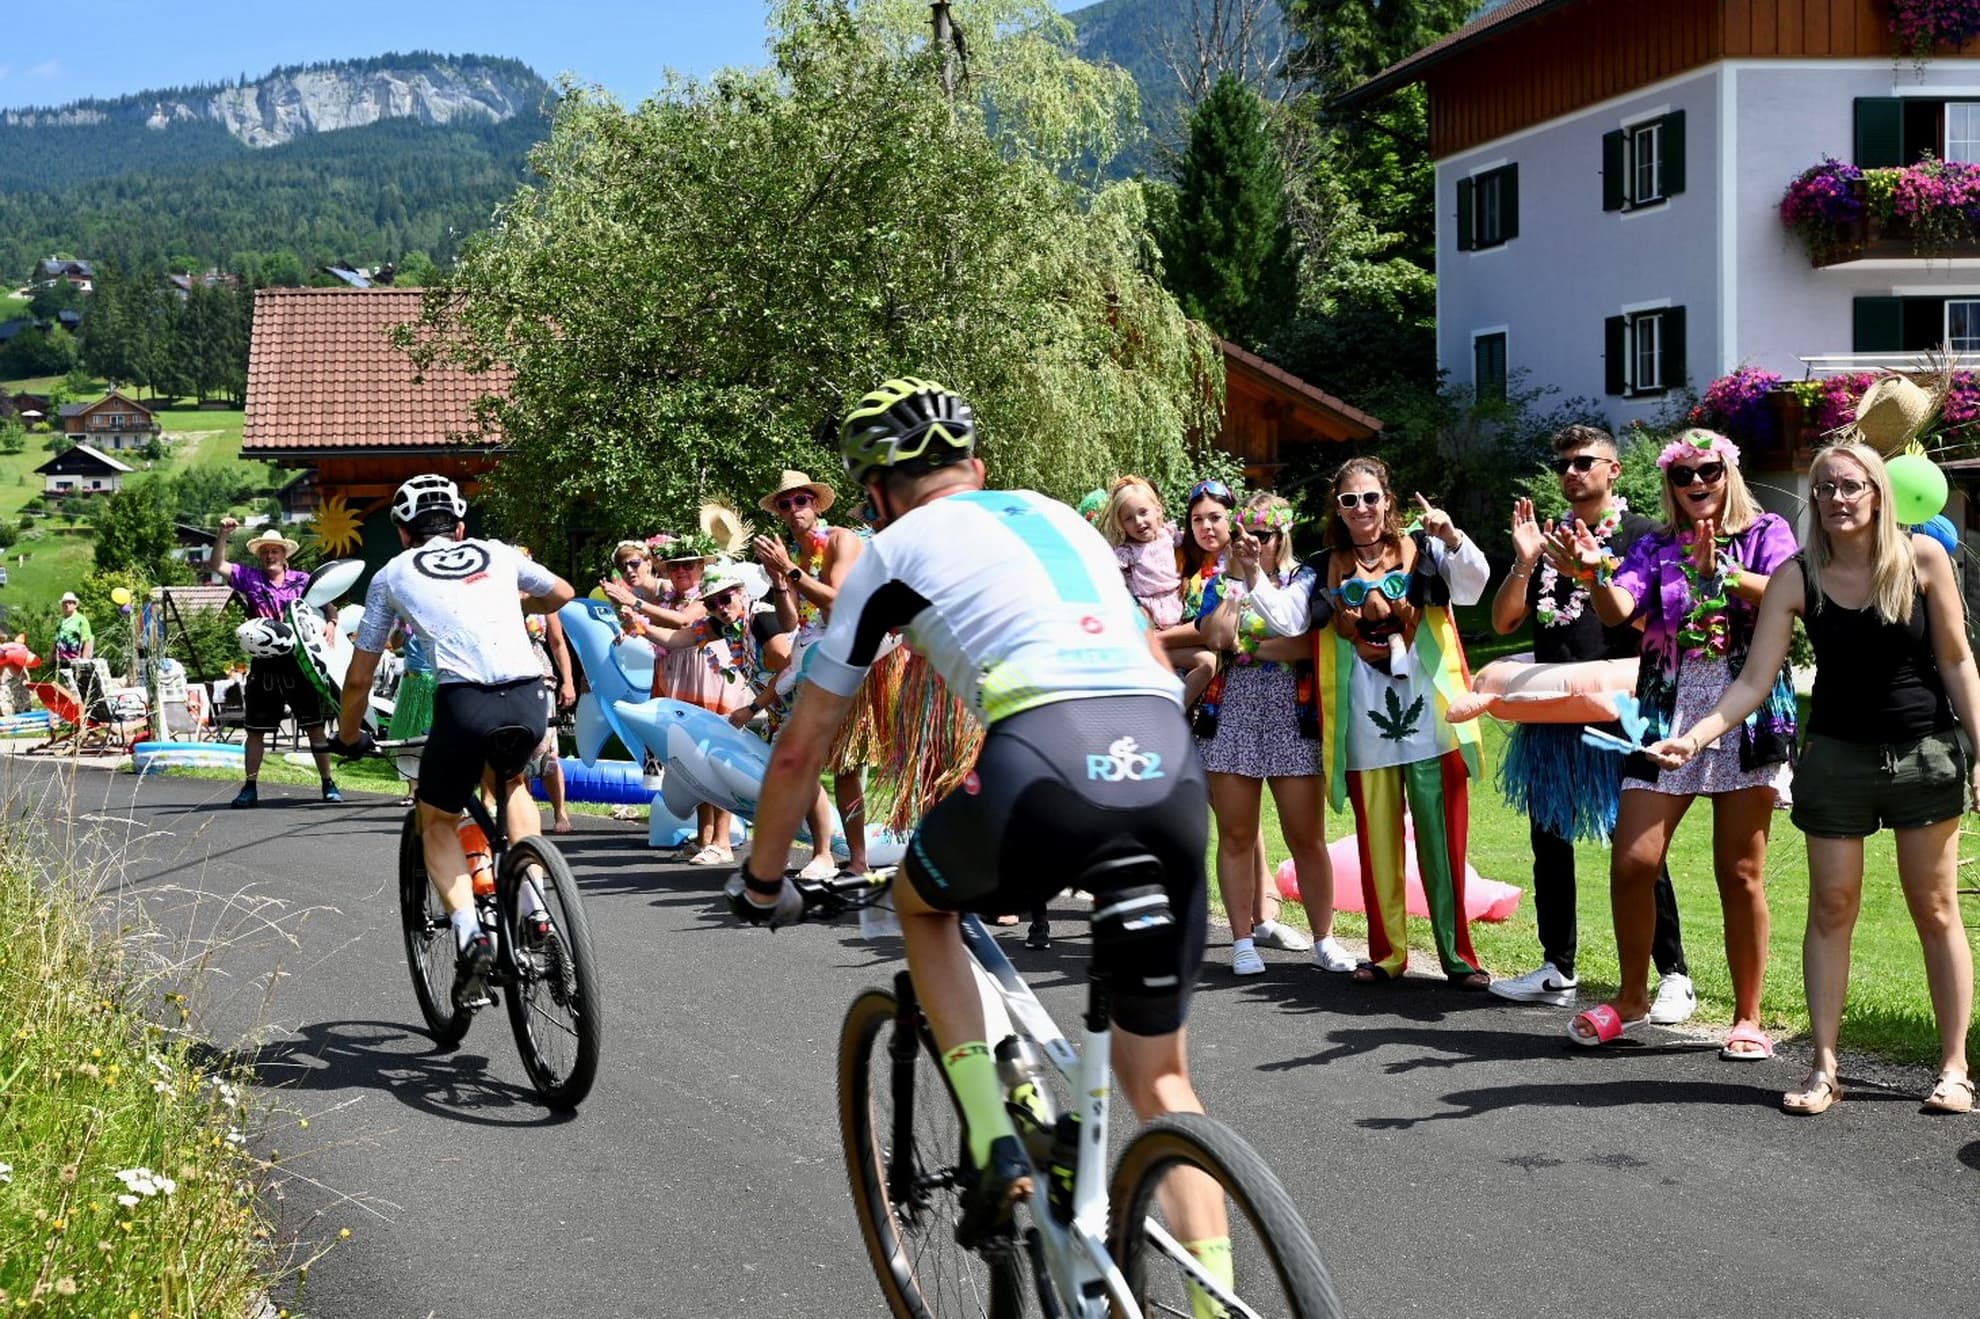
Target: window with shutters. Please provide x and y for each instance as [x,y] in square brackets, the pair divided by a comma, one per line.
[1488,208]
[1915,324]
[1643,164]
[1963,131]
[1644,352]
[1963,324]
[1645,178]
[1488,367]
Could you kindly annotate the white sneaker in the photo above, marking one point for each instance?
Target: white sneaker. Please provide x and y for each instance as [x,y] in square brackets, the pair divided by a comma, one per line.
[1546,985]
[1247,962]
[1272,934]
[1328,955]
[1676,1000]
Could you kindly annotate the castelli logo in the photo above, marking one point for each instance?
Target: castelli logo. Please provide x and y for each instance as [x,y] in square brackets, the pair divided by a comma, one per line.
[1092,625]
[971,784]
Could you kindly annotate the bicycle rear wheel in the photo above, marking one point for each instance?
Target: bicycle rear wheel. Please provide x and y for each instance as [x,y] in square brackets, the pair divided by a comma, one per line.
[554,1003]
[903,1138]
[1276,1269]
[429,940]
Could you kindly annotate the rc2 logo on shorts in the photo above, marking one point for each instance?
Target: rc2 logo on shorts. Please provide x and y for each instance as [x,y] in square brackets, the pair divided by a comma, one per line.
[1125,762]
[457,562]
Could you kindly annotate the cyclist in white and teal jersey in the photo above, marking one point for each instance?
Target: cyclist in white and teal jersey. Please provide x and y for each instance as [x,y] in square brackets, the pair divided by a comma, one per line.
[1020,606]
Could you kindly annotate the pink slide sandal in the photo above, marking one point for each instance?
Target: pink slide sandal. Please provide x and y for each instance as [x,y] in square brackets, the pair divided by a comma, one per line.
[1763,1045]
[1605,1021]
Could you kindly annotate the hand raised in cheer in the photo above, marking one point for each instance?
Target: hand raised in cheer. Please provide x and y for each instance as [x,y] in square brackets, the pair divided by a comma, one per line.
[1529,537]
[618,592]
[771,553]
[1245,547]
[229,525]
[1437,522]
[1705,547]
[1573,548]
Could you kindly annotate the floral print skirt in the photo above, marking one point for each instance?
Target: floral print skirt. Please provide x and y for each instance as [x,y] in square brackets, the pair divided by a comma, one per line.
[1716,768]
[1258,726]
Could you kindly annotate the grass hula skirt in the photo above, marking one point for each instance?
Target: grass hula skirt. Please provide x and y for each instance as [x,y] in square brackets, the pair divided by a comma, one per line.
[934,737]
[1565,786]
[412,708]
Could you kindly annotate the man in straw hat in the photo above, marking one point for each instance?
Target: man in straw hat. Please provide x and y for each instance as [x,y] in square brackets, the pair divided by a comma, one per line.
[275,684]
[805,572]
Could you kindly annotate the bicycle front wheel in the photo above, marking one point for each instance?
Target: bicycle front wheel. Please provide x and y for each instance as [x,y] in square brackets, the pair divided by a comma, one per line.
[554,1002]
[1182,1162]
[429,941]
[903,1138]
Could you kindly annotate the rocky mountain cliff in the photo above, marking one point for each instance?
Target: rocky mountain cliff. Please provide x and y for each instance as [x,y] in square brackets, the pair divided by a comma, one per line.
[293,102]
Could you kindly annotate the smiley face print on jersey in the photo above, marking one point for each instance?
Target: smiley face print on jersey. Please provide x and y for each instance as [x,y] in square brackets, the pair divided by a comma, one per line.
[460,561]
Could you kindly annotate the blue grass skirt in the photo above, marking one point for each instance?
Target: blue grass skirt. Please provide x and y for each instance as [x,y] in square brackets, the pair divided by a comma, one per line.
[1565,786]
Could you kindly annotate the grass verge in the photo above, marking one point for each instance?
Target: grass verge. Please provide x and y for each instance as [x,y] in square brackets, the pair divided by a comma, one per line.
[125,1187]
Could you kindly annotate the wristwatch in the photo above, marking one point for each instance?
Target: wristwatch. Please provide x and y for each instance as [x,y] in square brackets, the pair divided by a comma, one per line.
[793,574]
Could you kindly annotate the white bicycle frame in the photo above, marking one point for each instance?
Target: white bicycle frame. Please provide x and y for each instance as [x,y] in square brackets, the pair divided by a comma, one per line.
[1076,1255]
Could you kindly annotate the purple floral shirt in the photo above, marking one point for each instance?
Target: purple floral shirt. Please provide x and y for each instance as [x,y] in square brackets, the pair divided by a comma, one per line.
[264,598]
[1652,573]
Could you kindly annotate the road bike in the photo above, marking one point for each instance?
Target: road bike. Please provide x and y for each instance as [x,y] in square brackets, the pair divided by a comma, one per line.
[544,962]
[1081,1247]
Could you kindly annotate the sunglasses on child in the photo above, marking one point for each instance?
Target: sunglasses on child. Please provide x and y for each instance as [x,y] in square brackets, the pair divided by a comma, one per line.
[1707,473]
[1582,463]
[794,501]
[1347,499]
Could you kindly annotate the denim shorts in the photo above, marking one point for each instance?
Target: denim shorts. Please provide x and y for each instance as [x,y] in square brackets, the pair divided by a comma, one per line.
[1853,789]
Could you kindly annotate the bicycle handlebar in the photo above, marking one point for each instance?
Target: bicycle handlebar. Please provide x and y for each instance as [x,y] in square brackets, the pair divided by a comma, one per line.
[827,898]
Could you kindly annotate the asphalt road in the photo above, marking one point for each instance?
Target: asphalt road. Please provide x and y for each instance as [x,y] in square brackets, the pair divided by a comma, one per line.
[1453,1155]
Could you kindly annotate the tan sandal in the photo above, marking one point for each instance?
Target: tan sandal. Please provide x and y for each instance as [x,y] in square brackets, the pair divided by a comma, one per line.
[1818,1094]
[1953,1094]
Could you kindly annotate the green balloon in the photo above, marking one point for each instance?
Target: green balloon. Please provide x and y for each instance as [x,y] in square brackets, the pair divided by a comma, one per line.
[1918,489]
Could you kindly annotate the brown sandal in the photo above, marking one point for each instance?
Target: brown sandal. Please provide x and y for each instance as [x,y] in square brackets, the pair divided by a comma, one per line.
[1369,974]
[1953,1094]
[1818,1094]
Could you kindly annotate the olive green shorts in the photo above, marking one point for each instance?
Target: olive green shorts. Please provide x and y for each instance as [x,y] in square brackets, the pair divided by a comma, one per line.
[1853,789]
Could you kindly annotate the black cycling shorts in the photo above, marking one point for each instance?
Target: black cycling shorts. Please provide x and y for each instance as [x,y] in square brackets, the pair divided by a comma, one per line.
[1060,788]
[475,727]
[275,686]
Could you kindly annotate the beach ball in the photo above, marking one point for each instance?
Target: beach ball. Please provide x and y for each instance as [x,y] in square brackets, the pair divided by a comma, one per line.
[1918,488]
[120,595]
[1942,530]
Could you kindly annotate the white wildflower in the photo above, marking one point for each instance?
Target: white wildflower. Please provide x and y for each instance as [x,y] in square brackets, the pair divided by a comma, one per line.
[145,1182]
[128,1201]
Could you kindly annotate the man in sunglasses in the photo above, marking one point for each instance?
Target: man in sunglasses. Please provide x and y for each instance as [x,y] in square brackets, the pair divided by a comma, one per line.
[1570,791]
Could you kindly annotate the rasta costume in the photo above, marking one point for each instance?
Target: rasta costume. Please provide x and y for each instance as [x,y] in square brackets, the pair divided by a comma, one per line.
[1388,663]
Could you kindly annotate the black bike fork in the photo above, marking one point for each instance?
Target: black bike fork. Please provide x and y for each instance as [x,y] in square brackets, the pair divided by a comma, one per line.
[901,1049]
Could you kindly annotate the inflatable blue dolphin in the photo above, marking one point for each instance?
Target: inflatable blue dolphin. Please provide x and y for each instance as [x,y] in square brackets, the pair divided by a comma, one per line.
[615,672]
[708,759]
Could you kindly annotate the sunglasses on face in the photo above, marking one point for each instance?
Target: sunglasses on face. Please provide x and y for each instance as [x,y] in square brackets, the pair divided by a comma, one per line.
[1355,590]
[793,502]
[1706,473]
[1214,489]
[1847,491]
[627,565]
[1581,462]
[1347,499]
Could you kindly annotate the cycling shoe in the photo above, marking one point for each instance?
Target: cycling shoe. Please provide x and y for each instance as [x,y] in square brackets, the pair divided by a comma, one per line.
[471,973]
[987,1206]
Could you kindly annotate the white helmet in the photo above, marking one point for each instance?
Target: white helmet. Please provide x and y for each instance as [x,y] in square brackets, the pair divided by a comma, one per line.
[425,493]
[264,638]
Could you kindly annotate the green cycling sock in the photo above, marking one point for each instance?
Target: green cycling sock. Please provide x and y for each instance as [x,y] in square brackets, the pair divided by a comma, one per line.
[980,1095]
[1214,1254]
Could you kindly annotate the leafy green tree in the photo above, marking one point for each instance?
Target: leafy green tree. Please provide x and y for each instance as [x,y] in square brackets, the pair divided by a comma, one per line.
[35,352]
[203,492]
[53,298]
[693,288]
[134,531]
[416,271]
[1227,250]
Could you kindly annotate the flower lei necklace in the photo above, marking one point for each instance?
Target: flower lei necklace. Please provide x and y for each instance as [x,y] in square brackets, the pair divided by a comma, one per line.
[1707,632]
[811,557]
[1559,613]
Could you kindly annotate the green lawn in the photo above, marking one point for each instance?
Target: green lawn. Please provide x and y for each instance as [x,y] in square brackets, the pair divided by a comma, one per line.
[1888,1010]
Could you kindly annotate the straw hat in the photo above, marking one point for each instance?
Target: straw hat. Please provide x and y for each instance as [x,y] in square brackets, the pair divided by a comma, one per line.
[726,527]
[1894,410]
[797,481]
[270,536]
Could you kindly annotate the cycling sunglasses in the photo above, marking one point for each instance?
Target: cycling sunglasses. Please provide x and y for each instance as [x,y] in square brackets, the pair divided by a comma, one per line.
[1355,590]
[1708,473]
[1347,499]
[1581,462]
[1214,489]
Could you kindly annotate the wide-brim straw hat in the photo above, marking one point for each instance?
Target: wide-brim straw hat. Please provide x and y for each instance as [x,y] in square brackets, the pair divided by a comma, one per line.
[1894,410]
[266,537]
[797,481]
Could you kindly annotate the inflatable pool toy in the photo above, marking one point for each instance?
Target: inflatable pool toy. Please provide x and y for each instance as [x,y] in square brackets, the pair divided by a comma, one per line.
[1484,899]
[16,655]
[331,580]
[147,756]
[617,672]
[605,783]
[1939,528]
[1522,692]
[28,721]
[707,758]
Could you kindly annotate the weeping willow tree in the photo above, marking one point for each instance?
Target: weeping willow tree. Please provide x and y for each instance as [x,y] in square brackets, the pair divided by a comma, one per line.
[696,287]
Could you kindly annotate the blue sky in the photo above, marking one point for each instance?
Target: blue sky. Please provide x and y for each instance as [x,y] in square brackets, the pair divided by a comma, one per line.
[64,50]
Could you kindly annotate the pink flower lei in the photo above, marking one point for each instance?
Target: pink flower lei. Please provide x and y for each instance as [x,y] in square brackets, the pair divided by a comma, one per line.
[1699,441]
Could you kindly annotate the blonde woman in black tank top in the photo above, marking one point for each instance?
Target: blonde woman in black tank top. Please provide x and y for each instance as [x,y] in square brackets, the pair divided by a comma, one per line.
[1895,683]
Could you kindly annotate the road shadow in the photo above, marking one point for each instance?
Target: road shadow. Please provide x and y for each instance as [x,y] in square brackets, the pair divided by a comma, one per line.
[396,1060]
[1970,1156]
[1580,1094]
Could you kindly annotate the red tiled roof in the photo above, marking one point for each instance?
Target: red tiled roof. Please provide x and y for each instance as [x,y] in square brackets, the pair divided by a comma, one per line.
[1355,418]
[325,377]
[1408,70]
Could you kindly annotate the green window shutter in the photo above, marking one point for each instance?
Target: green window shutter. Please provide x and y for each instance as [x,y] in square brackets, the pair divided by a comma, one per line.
[1509,202]
[1674,358]
[1879,132]
[1466,235]
[1613,349]
[1673,136]
[1877,325]
[1612,171]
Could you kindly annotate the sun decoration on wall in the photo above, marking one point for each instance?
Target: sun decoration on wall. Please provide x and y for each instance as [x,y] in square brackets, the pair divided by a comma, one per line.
[335,528]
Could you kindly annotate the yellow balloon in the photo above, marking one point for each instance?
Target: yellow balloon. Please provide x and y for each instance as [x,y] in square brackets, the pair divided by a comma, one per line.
[120,595]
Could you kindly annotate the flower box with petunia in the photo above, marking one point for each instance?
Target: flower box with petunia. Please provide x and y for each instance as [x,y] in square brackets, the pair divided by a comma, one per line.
[1922,26]
[1842,213]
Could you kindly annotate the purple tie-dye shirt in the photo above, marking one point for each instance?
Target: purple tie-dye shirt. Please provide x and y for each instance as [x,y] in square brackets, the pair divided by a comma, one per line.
[264,598]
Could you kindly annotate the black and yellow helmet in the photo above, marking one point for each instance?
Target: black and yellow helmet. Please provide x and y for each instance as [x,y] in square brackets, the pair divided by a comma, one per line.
[906,424]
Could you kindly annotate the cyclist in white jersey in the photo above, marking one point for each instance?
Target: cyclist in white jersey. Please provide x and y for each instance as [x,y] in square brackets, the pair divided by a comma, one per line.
[1020,606]
[464,600]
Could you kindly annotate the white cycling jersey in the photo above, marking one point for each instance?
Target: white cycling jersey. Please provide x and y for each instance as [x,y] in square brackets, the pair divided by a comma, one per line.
[462,599]
[1010,596]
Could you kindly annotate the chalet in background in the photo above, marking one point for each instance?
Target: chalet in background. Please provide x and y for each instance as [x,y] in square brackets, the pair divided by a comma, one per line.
[82,470]
[112,424]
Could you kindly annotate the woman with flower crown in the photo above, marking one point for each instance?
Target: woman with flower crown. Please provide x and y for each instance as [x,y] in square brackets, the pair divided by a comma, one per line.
[1695,586]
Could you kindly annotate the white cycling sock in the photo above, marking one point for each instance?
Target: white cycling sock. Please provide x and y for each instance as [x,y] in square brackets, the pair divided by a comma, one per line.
[1240,946]
[466,926]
